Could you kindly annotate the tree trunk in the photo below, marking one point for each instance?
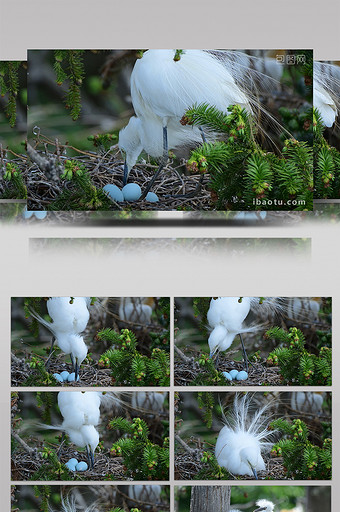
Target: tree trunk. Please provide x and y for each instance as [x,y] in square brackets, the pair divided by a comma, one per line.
[318,498]
[210,498]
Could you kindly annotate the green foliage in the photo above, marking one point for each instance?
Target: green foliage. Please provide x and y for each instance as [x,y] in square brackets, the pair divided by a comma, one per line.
[242,175]
[326,163]
[211,469]
[80,193]
[103,141]
[15,186]
[69,66]
[52,468]
[46,401]
[302,459]
[297,365]
[142,458]
[130,367]
[44,493]
[206,401]
[9,84]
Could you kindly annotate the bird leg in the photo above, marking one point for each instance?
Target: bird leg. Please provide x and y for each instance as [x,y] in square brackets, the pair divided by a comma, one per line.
[76,371]
[161,165]
[73,362]
[61,445]
[126,173]
[90,457]
[50,354]
[245,357]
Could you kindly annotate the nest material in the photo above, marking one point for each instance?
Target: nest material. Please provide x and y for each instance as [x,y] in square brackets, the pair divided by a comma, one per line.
[187,371]
[25,465]
[89,375]
[105,169]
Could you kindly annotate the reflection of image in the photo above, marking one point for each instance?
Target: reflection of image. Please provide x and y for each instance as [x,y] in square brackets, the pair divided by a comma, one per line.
[253,436]
[236,120]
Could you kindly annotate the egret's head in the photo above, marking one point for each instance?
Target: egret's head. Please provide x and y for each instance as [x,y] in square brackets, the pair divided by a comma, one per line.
[219,340]
[265,506]
[78,348]
[130,144]
[251,455]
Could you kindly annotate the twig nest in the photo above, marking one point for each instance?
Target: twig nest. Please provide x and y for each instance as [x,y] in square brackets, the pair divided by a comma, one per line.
[131,192]
[81,466]
[151,197]
[114,193]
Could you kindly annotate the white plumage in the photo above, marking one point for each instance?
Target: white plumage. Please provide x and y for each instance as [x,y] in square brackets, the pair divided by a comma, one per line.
[265,506]
[69,318]
[81,414]
[225,317]
[326,91]
[163,89]
[242,440]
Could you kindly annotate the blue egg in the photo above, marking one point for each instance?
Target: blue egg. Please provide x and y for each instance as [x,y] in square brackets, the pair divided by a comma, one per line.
[81,466]
[72,377]
[233,374]
[73,461]
[242,375]
[71,465]
[151,197]
[132,192]
[40,214]
[227,375]
[114,192]
[26,214]
[58,377]
[64,375]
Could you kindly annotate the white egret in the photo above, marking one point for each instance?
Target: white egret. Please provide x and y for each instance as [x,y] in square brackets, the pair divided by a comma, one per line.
[136,309]
[81,415]
[326,91]
[264,506]
[69,318]
[226,316]
[243,439]
[162,89]
[68,504]
[307,401]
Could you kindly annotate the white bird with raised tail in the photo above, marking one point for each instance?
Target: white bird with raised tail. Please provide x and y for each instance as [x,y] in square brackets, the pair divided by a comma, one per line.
[81,416]
[70,316]
[243,439]
[162,89]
